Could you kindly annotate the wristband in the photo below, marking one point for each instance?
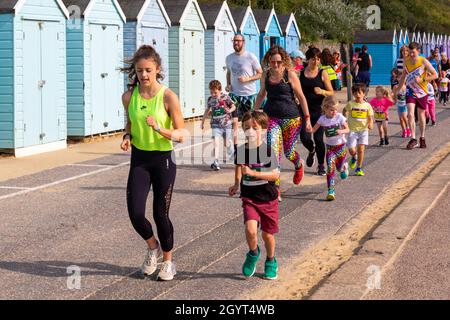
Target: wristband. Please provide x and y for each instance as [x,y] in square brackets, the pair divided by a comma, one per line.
[125,135]
[158,129]
[307,117]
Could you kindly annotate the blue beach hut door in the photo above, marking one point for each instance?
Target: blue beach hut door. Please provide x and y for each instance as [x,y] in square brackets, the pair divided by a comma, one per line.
[40,111]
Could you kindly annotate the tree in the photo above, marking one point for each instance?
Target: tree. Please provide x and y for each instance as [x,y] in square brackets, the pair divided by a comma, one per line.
[333,19]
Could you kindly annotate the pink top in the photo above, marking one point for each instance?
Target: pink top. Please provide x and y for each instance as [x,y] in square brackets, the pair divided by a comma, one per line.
[299,67]
[381,107]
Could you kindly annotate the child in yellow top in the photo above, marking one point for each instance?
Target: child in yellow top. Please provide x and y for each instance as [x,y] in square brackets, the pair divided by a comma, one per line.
[359,114]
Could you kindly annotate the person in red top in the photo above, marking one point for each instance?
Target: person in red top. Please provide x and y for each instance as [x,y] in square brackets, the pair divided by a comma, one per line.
[381,105]
[339,66]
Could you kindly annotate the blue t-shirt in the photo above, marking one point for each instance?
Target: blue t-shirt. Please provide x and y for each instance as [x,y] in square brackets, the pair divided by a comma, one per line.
[435,64]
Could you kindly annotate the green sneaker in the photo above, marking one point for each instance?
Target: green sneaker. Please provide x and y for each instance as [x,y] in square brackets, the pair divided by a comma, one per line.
[344,172]
[331,196]
[271,269]
[352,163]
[359,172]
[249,267]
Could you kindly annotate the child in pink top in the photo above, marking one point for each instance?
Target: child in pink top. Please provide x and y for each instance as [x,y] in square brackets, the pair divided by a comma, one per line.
[380,106]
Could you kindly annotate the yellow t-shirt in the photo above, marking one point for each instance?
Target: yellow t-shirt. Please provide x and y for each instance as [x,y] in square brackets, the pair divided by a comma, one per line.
[358,115]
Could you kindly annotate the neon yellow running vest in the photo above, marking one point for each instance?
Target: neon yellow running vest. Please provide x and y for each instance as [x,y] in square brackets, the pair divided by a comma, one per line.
[143,136]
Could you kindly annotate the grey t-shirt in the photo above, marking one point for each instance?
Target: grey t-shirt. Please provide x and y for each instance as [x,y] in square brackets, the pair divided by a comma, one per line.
[242,65]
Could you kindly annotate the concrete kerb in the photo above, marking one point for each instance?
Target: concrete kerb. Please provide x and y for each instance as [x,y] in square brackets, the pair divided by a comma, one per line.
[385,242]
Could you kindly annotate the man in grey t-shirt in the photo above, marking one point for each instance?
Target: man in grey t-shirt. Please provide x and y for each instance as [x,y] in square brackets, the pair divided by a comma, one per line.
[243,70]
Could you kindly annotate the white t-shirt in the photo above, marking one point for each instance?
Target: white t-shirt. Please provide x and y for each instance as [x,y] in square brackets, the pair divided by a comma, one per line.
[242,65]
[430,92]
[330,127]
[444,84]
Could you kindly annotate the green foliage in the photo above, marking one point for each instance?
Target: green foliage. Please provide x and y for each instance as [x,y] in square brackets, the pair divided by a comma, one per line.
[339,19]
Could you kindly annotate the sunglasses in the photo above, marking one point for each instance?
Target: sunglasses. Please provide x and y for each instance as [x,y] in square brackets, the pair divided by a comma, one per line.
[278,62]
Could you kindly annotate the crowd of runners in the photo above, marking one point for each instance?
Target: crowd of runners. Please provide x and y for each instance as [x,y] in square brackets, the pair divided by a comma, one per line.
[295,103]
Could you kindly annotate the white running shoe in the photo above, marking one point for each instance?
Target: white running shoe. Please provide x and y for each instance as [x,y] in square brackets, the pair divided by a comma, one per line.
[168,271]
[151,261]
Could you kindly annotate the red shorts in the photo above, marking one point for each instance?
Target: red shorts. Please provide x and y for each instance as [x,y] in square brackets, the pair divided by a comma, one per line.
[266,213]
[421,103]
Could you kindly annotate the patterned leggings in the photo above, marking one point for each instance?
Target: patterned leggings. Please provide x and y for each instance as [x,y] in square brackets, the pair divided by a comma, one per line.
[285,133]
[336,159]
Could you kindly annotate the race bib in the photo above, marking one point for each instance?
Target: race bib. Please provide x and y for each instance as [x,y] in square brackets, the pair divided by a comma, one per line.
[331,131]
[218,112]
[380,115]
[359,114]
[252,181]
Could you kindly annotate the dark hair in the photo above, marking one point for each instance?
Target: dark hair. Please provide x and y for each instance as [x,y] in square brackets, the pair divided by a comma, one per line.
[414,45]
[327,57]
[287,62]
[144,52]
[358,49]
[358,87]
[364,48]
[312,53]
[260,118]
[215,85]
[395,71]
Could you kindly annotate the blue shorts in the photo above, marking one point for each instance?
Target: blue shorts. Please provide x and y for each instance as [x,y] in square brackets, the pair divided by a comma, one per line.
[402,109]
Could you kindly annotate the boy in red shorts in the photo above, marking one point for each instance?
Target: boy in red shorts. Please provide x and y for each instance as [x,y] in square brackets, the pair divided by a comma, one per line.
[256,172]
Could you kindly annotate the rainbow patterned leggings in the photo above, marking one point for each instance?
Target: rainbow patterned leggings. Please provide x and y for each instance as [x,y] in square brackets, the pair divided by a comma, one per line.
[285,133]
[336,159]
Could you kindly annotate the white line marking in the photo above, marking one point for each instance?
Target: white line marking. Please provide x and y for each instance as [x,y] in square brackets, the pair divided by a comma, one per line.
[18,188]
[90,165]
[104,168]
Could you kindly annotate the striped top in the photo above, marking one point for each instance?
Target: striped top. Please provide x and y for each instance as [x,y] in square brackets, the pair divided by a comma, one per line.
[400,64]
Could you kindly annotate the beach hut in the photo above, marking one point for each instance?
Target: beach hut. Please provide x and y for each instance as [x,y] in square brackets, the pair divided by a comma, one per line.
[218,41]
[291,32]
[446,45]
[433,44]
[94,57]
[382,46]
[406,41]
[269,26]
[187,55]
[147,23]
[32,76]
[247,26]
[400,42]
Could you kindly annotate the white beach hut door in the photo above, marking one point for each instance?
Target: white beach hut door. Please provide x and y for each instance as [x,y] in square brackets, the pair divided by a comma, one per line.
[113,109]
[106,114]
[98,75]
[197,79]
[188,74]
[40,79]
[32,103]
[156,37]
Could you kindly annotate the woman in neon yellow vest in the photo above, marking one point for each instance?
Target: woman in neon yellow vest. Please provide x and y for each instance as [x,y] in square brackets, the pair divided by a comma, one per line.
[328,66]
[154,121]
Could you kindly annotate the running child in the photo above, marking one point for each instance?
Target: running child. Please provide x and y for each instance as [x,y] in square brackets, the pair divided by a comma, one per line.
[359,114]
[394,77]
[431,109]
[381,104]
[444,89]
[220,107]
[335,127]
[255,174]
[402,109]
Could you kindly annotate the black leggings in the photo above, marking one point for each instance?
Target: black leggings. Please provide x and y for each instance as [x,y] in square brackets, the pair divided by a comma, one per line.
[308,142]
[156,169]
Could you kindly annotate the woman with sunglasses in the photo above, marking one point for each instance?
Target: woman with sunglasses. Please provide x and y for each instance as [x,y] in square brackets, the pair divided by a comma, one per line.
[281,85]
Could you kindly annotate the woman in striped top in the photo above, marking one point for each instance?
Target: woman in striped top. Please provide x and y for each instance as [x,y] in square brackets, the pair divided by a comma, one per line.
[404,52]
